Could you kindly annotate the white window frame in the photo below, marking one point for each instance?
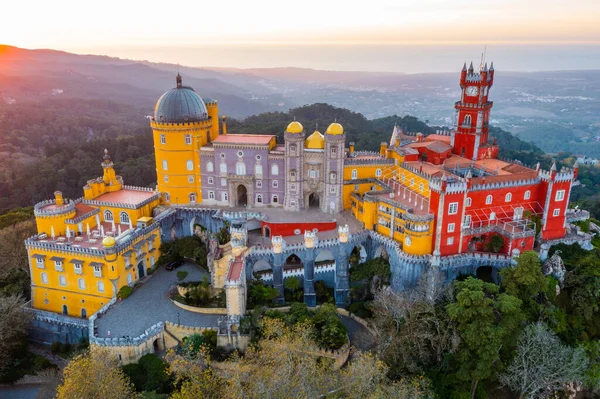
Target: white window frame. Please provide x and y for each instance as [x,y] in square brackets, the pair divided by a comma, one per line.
[275,170]
[77,268]
[412,182]
[258,170]
[190,179]
[124,217]
[450,241]
[560,195]
[333,150]
[211,195]
[556,212]
[223,167]
[354,174]
[275,199]
[312,173]
[378,173]
[166,178]
[488,200]
[210,167]
[259,184]
[62,280]
[527,195]
[332,189]
[81,284]
[100,286]
[163,139]
[240,169]
[259,198]
[97,271]
[451,227]
[108,216]
[453,208]
[58,265]
[225,197]
[508,197]
[223,182]
[44,277]
[421,187]
[468,202]
[467,221]
[275,184]
[165,164]
[189,164]
[187,139]
[211,180]
[39,262]
[192,198]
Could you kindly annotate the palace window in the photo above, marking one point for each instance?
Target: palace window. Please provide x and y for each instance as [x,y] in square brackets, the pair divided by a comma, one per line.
[275,169]
[224,197]
[378,173]
[166,178]
[44,278]
[39,262]
[488,200]
[468,203]
[333,150]
[192,198]
[275,199]
[412,182]
[467,120]
[222,155]
[129,278]
[259,198]
[421,187]
[188,139]
[81,284]
[259,184]
[258,170]
[508,197]
[312,174]
[210,167]
[167,197]
[163,139]
[165,164]
[467,222]
[527,195]
[556,212]
[211,195]
[332,177]
[108,216]
[450,241]
[77,267]
[98,271]
[58,265]
[560,195]
[293,187]
[275,184]
[211,180]
[223,182]
[332,189]
[223,167]
[189,165]
[190,179]
[62,280]
[292,148]
[453,208]
[100,286]
[240,169]
[354,174]
[450,227]
[293,173]
[124,217]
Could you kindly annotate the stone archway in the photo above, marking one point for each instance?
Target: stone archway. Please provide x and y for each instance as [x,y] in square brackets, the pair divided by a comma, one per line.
[241,196]
[358,255]
[314,202]
[486,273]
[267,231]
[293,262]
[381,252]
[141,271]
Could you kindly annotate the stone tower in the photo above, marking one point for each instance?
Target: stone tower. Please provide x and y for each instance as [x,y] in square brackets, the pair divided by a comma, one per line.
[333,169]
[294,164]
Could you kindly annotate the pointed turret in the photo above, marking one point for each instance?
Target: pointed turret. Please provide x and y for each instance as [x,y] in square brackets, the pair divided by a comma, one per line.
[464,66]
[179,81]
[394,136]
[492,66]
[471,67]
[553,168]
[485,67]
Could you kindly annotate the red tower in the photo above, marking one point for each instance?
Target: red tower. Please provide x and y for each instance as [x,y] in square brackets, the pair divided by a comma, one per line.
[470,137]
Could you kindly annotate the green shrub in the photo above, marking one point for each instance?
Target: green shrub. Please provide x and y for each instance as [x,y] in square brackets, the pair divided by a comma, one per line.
[181,275]
[157,378]
[55,347]
[136,374]
[298,313]
[124,292]
[65,348]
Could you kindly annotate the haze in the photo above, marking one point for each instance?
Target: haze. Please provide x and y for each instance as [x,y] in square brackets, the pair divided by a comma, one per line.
[378,35]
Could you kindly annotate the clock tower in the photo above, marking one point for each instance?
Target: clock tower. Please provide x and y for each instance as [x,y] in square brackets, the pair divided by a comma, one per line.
[470,135]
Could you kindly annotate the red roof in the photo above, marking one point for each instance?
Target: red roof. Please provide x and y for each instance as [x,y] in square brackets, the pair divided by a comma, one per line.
[126,196]
[82,209]
[235,270]
[260,139]
[438,137]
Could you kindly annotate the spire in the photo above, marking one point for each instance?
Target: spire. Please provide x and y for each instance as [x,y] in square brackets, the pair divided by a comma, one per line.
[394,136]
[178,80]
[469,175]
[485,68]
[576,165]
[553,166]
[492,66]
[106,156]
[471,67]
[465,66]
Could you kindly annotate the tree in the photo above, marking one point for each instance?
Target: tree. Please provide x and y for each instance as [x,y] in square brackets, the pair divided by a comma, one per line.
[13,254]
[542,362]
[495,244]
[526,282]
[584,283]
[486,321]
[13,327]
[95,374]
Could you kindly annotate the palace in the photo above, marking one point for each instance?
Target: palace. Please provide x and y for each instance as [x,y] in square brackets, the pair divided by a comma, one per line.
[442,204]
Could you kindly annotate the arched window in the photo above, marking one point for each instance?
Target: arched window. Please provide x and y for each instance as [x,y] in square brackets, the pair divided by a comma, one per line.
[62,280]
[224,197]
[108,216]
[378,173]
[211,195]
[412,182]
[421,187]
[403,177]
[508,197]
[275,169]
[81,284]
[258,170]
[165,164]
[488,200]
[240,169]
[210,167]
[129,278]
[100,286]
[44,278]
[354,174]
[167,197]
[332,177]
[259,199]
[189,165]
[223,167]
[275,199]
[468,201]
[192,197]
[527,195]
[124,217]
[467,120]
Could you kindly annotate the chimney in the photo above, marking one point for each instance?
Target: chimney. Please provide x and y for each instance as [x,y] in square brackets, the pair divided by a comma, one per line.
[383,148]
[352,149]
[419,137]
[224,124]
[58,197]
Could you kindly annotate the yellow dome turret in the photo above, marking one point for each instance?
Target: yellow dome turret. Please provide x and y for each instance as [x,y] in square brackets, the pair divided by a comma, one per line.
[295,127]
[335,129]
[109,242]
[315,141]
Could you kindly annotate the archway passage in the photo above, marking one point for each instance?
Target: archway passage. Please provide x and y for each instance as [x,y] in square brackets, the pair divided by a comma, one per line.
[267,231]
[293,262]
[140,268]
[314,201]
[242,195]
[485,273]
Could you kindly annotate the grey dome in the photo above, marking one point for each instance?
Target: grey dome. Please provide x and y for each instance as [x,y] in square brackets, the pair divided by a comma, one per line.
[180,105]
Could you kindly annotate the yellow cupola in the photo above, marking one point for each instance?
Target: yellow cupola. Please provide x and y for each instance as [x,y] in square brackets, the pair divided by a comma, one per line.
[295,127]
[335,129]
[109,242]
[315,141]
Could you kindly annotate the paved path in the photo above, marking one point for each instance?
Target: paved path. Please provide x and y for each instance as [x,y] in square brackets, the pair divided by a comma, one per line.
[360,337]
[149,305]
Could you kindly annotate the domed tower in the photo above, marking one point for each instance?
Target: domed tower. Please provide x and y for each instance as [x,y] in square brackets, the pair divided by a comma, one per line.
[294,167]
[181,125]
[335,141]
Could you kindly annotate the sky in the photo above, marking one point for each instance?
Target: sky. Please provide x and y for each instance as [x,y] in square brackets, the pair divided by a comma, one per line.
[207,33]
